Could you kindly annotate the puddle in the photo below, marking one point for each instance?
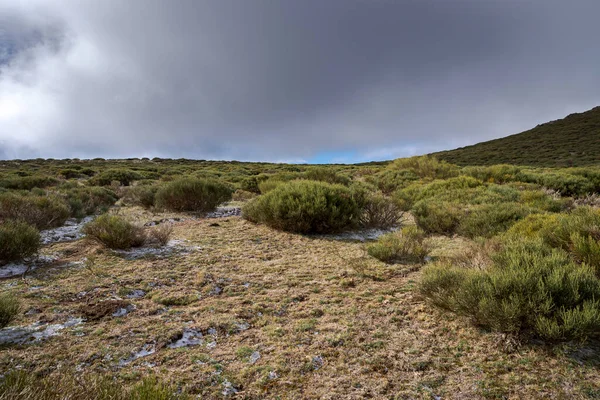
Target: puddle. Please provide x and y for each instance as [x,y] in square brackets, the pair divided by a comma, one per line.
[175,246]
[35,332]
[190,337]
[361,235]
[70,231]
[146,350]
[16,269]
[136,294]
[224,212]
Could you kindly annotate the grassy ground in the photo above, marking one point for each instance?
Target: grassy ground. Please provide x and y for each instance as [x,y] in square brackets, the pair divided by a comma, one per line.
[327,321]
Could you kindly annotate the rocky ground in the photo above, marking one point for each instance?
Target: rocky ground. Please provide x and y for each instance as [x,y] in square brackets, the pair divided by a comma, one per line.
[233,309]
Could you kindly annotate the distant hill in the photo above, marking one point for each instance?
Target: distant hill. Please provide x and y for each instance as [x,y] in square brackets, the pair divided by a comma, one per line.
[571,141]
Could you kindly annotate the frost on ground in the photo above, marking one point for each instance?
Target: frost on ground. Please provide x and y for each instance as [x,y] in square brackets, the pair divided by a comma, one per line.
[16,269]
[71,230]
[175,246]
[360,235]
[34,333]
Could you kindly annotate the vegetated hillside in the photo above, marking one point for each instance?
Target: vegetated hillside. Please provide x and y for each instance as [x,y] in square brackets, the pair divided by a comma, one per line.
[571,141]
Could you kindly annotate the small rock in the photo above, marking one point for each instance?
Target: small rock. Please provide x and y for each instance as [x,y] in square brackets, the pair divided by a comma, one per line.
[317,362]
[228,388]
[254,357]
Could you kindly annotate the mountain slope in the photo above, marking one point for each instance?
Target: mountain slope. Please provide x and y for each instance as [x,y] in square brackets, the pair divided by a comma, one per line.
[571,141]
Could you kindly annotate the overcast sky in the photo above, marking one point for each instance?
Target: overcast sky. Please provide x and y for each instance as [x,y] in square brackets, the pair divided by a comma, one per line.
[287,80]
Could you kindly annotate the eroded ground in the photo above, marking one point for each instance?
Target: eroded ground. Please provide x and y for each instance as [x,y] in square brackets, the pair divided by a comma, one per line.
[249,312]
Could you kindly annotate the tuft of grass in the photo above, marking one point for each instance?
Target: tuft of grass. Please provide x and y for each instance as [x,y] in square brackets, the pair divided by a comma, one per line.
[18,240]
[159,235]
[407,245]
[9,309]
[23,385]
[115,232]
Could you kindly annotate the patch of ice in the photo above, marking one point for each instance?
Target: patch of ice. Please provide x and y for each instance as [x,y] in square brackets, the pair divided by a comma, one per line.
[228,388]
[317,362]
[242,326]
[70,231]
[190,337]
[175,246]
[35,332]
[136,294]
[224,212]
[146,350]
[360,235]
[12,270]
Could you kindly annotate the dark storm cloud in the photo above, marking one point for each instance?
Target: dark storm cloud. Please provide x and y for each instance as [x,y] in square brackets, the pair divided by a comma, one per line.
[288,80]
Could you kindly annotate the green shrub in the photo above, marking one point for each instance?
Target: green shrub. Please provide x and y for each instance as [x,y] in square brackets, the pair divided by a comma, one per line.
[379,212]
[501,173]
[326,174]
[390,180]
[426,167]
[192,195]
[567,184]
[115,232]
[542,201]
[406,245]
[450,188]
[490,219]
[9,309]
[577,233]
[28,182]
[18,240]
[530,289]
[437,216]
[123,176]
[242,195]
[46,211]
[144,196]
[90,200]
[305,207]
[268,185]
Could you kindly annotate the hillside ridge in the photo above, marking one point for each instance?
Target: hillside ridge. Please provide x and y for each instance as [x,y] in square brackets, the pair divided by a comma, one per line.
[570,141]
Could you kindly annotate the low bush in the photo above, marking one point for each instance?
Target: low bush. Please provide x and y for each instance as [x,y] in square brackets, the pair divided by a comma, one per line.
[89,200]
[192,195]
[530,289]
[501,173]
[144,196]
[542,201]
[18,240]
[9,309]
[577,233]
[452,189]
[115,232]
[379,212]
[305,207]
[406,245]
[426,167]
[390,180]
[43,211]
[564,182]
[242,195]
[28,182]
[490,219]
[437,216]
[159,235]
[123,176]
[325,174]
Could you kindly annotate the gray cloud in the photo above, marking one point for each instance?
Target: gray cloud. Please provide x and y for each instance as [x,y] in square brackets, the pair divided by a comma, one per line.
[287,80]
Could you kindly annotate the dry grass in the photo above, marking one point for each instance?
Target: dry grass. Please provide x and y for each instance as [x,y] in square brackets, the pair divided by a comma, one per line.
[327,321]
